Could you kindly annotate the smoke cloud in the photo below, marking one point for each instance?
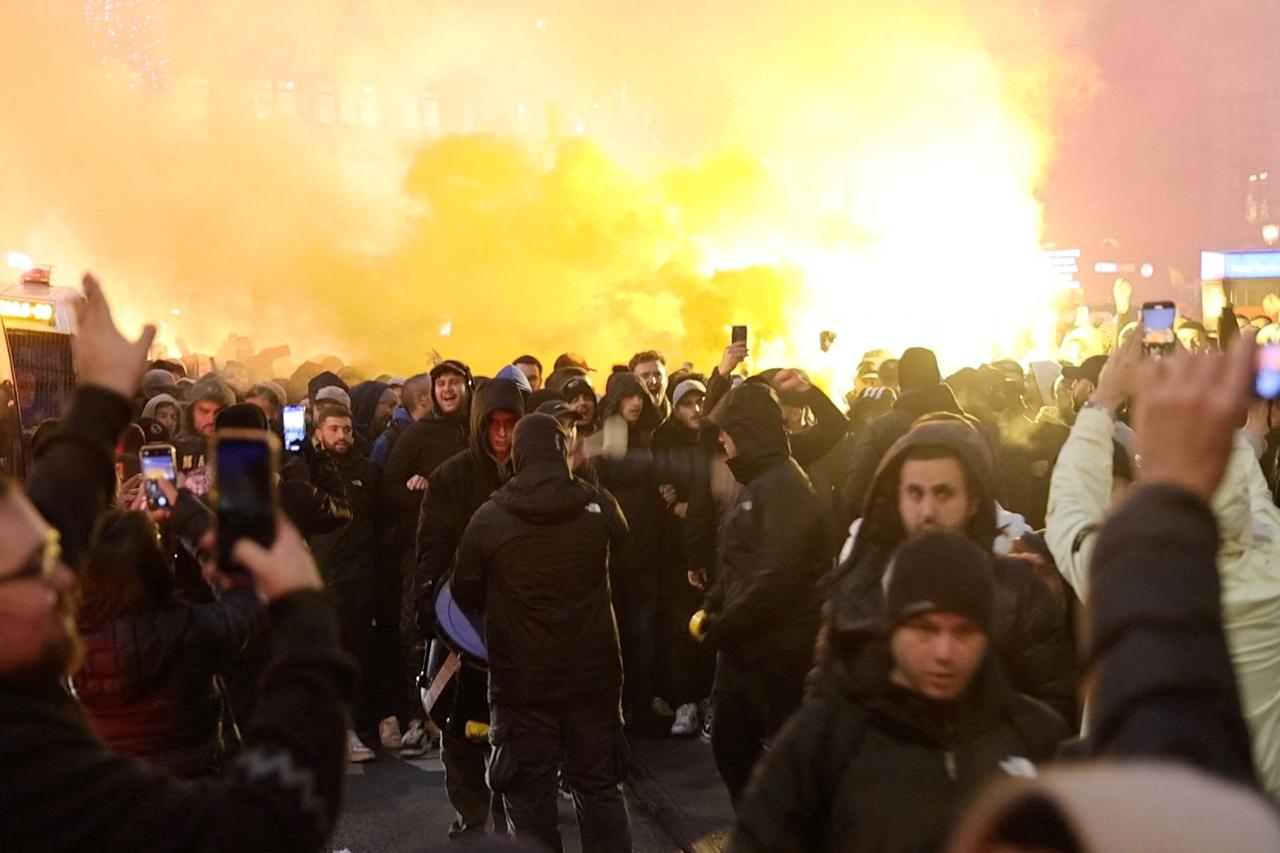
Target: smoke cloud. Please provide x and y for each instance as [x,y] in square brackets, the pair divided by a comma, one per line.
[385,181]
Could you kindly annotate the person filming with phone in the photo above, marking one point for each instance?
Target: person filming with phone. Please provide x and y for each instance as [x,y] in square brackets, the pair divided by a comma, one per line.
[63,787]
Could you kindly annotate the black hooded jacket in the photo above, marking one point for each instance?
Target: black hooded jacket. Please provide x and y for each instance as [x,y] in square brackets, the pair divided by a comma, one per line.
[869,765]
[364,402]
[421,448]
[350,553]
[633,480]
[459,486]
[535,561]
[878,436]
[764,607]
[1028,631]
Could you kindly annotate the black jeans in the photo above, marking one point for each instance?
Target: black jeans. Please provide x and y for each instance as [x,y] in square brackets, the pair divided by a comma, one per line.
[584,735]
[749,707]
[635,604]
[354,603]
[464,780]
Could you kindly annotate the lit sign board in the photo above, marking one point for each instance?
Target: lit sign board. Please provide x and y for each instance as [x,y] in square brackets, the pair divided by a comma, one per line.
[1216,266]
[32,310]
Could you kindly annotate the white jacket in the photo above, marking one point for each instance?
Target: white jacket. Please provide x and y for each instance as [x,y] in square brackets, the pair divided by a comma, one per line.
[1248,565]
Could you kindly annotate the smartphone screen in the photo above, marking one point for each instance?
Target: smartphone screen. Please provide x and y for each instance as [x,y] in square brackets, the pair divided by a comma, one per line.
[1158,337]
[159,461]
[244,490]
[295,428]
[1266,383]
[738,335]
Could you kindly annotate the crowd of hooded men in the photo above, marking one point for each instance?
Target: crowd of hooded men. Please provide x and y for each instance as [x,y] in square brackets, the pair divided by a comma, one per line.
[855,609]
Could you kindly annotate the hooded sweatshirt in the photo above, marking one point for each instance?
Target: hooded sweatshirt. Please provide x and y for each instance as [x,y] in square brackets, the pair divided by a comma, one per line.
[535,560]
[364,402]
[633,480]
[149,410]
[517,376]
[1028,632]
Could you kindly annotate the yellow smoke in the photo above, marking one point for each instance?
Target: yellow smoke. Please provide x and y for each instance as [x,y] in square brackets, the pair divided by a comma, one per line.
[628,178]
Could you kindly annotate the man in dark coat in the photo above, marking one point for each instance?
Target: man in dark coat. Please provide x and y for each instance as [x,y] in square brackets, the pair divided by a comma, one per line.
[763,612]
[348,562]
[458,488]
[637,563]
[939,477]
[888,757]
[535,561]
[922,393]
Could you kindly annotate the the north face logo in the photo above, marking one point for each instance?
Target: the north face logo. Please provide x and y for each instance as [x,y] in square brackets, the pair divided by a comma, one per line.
[1016,765]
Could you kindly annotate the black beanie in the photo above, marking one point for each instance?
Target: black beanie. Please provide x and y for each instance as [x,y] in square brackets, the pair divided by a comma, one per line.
[539,439]
[918,368]
[940,573]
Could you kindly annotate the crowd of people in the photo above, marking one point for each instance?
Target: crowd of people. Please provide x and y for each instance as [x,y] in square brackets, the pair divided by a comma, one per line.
[1064,579]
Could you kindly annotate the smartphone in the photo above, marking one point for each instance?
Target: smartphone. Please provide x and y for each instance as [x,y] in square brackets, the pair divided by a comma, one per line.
[159,462]
[1158,337]
[243,489]
[1266,381]
[295,428]
[738,335]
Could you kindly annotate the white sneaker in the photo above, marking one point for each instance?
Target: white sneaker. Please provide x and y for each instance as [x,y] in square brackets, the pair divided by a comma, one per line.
[414,742]
[357,752]
[686,723]
[389,733]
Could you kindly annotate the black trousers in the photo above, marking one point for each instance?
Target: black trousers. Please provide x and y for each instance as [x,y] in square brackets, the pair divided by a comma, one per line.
[749,706]
[354,603]
[584,736]
[635,604]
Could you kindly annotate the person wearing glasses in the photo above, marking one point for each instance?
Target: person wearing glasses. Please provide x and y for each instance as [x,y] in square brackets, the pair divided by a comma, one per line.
[64,788]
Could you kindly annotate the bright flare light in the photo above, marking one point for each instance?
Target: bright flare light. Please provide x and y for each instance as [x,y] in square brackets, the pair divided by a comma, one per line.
[18,261]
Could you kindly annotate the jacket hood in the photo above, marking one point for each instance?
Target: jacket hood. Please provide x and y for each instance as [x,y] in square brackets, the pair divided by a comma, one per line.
[324,380]
[490,397]
[517,376]
[883,525]
[543,490]
[364,401]
[452,366]
[752,416]
[934,398]
[149,410]
[626,384]
[206,388]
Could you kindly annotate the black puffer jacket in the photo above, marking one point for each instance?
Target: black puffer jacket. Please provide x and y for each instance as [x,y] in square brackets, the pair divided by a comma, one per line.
[868,765]
[633,480]
[1028,631]
[535,560]
[764,607]
[877,437]
[147,683]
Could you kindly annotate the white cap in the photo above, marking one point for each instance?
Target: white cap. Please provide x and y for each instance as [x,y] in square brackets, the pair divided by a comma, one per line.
[685,387]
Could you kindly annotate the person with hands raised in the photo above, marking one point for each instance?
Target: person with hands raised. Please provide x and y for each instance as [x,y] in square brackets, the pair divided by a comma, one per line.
[65,789]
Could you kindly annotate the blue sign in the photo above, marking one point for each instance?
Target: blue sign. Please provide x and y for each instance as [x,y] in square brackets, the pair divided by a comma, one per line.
[1217,266]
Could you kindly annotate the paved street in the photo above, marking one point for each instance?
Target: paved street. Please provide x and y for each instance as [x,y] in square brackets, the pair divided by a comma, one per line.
[395,805]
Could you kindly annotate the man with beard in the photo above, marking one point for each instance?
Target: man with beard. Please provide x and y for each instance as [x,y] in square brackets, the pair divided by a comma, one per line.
[347,558]
[581,397]
[458,488]
[940,477]
[63,788]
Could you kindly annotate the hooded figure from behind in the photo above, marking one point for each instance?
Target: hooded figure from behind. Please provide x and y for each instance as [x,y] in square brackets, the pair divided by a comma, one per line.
[535,561]
[764,608]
